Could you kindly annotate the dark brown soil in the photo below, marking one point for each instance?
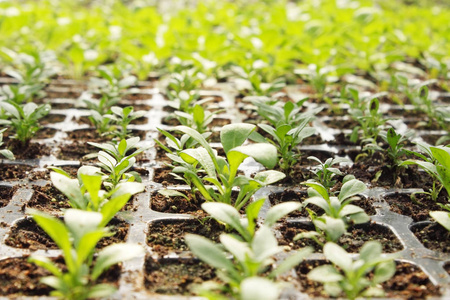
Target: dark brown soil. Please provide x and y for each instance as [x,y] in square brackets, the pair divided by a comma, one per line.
[6,193]
[409,282]
[76,150]
[14,172]
[45,133]
[27,151]
[291,195]
[52,119]
[162,175]
[26,234]
[433,236]
[358,235]
[418,211]
[47,199]
[176,276]
[167,236]
[178,204]
[20,278]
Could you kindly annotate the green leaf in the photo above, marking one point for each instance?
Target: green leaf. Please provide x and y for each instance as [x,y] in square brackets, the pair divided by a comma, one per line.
[101,291]
[338,256]
[320,189]
[442,217]
[264,244]
[81,222]
[269,177]
[264,153]
[172,193]
[384,271]
[351,188]
[209,252]
[325,273]
[234,135]
[114,254]
[46,263]
[202,156]
[85,245]
[371,250]
[257,288]
[280,210]
[92,183]
[224,213]
[240,250]
[291,262]
[70,188]
[112,207]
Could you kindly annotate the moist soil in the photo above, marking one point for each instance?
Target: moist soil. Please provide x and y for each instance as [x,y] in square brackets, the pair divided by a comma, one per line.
[14,172]
[291,195]
[433,236]
[176,276]
[178,204]
[26,234]
[162,175]
[20,278]
[418,210]
[27,151]
[47,199]
[6,194]
[353,242]
[408,282]
[166,236]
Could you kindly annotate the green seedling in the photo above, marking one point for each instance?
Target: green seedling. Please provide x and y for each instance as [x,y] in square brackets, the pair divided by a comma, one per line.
[256,82]
[221,172]
[86,191]
[339,213]
[286,138]
[77,237]
[436,162]
[116,160]
[102,123]
[353,276]
[123,117]
[24,119]
[370,121]
[5,152]
[19,94]
[252,249]
[325,172]
[197,118]
[317,77]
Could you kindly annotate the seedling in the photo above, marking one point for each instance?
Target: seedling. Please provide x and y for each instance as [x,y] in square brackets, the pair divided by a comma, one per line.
[221,172]
[317,77]
[85,192]
[123,117]
[257,84]
[252,249]
[24,119]
[5,152]
[436,162]
[197,118]
[394,152]
[77,237]
[353,276]
[370,121]
[116,160]
[325,172]
[339,213]
[101,122]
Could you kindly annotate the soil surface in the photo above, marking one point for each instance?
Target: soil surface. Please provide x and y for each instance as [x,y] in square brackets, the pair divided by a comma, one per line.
[20,278]
[27,151]
[433,236]
[162,175]
[6,194]
[176,276]
[409,282]
[167,236]
[418,210]
[178,204]
[26,234]
[14,172]
[358,235]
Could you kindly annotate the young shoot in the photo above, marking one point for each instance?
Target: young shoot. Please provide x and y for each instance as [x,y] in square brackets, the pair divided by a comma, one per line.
[325,172]
[339,213]
[77,237]
[222,173]
[252,249]
[122,117]
[355,278]
[23,119]
[116,160]
[5,152]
